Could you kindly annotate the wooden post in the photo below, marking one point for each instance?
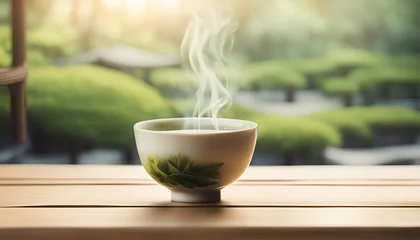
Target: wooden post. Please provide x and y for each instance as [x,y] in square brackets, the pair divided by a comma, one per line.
[17,90]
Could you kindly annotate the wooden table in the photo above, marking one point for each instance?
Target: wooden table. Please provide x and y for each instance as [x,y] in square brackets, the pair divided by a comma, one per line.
[122,202]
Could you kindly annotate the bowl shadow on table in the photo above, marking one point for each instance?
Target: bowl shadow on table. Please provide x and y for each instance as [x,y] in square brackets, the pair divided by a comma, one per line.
[169,212]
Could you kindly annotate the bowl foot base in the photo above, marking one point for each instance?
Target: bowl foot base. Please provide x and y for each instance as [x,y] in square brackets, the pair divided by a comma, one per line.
[195,196]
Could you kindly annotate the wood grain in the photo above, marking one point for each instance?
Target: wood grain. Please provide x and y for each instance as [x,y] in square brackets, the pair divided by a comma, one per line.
[210,223]
[107,172]
[123,202]
[235,195]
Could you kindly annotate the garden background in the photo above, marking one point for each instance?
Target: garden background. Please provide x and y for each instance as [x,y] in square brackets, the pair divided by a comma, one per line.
[328,81]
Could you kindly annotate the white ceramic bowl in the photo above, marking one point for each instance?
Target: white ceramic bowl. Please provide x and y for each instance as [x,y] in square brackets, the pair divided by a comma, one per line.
[195,165]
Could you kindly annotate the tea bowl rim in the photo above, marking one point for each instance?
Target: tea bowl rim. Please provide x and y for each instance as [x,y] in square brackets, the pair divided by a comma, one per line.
[253,126]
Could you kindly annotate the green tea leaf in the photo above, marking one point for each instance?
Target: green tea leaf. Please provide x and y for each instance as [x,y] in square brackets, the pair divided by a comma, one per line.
[178,170]
[172,168]
[157,170]
[181,162]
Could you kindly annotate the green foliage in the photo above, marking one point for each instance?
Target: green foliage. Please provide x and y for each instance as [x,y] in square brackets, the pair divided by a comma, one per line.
[295,136]
[36,58]
[340,86]
[405,61]
[173,82]
[358,123]
[50,42]
[240,112]
[398,75]
[312,66]
[180,171]
[5,37]
[33,58]
[272,75]
[90,105]
[353,58]
[5,59]
[370,77]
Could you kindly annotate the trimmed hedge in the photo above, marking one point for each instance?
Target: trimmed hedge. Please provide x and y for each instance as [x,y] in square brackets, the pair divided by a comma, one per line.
[353,58]
[406,61]
[334,63]
[378,81]
[313,66]
[295,137]
[272,75]
[340,86]
[89,105]
[385,74]
[315,70]
[173,82]
[240,112]
[50,42]
[358,124]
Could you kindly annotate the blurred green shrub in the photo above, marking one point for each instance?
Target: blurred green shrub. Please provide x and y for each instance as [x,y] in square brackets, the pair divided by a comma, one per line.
[341,87]
[50,42]
[337,63]
[240,112]
[378,81]
[405,61]
[173,82]
[385,74]
[5,59]
[33,58]
[5,37]
[89,105]
[312,66]
[36,58]
[295,138]
[315,70]
[271,75]
[347,59]
[357,125]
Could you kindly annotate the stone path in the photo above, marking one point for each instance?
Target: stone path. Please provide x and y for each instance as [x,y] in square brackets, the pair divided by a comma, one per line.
[308,101]
[407,154]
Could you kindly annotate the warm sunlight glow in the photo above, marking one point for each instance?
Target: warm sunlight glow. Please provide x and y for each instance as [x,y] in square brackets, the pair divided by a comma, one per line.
[135,8]
[130,4]
[170,3]
[141,4]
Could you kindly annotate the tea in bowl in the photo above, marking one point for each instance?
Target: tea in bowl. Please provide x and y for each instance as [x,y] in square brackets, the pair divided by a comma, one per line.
[195,164]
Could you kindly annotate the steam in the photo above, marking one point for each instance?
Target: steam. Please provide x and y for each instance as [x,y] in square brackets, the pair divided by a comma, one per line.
[205,47]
